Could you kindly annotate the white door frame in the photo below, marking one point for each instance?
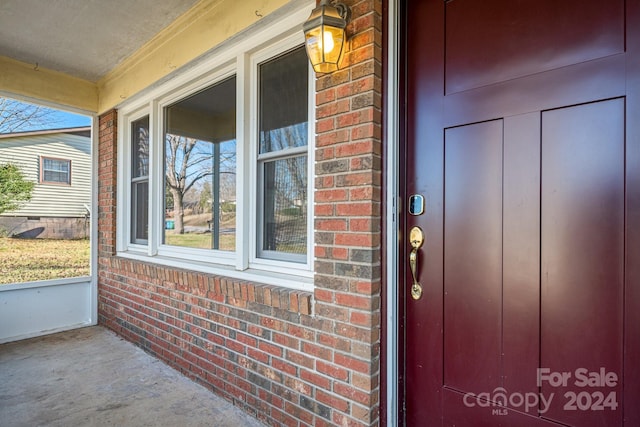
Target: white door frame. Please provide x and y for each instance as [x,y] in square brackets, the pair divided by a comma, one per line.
[392,211]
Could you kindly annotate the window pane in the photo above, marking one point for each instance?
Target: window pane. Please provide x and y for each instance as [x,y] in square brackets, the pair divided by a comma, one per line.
[283,105]
[285,205]
[140,212]
[200,169]
[53,176]
[140,180]
[140,147]
[54,170]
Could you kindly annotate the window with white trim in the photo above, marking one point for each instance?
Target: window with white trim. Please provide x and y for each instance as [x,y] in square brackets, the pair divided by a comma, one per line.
[200,169]
[218,165]
[55,171]
[283,135]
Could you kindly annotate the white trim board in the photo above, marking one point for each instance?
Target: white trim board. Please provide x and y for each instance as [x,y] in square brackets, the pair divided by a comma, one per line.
[392,210]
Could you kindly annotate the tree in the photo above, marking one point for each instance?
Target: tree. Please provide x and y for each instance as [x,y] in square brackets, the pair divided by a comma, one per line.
[16,116]
[14,188]
[186,164]
[204,204]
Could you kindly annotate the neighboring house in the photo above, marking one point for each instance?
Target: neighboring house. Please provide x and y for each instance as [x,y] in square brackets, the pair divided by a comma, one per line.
[59,162]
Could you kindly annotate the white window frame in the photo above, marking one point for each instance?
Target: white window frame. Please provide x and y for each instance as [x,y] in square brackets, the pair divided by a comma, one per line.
[239,57]
[129,147]
[43,171]
[157,222]
[259,57]
[124,209]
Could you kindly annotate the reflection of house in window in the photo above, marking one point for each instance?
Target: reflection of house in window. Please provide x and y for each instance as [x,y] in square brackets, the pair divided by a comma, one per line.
[55,171]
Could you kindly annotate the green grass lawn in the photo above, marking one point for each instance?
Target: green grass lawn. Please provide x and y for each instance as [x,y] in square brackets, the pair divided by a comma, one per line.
[28,260]
[199,240]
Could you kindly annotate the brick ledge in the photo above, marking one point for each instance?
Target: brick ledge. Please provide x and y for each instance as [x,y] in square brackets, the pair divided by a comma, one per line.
[236,292]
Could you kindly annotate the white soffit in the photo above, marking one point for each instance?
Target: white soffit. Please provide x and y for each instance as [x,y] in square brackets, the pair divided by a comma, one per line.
[82,38]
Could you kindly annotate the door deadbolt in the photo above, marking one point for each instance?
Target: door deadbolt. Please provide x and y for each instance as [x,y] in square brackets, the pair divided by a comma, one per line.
[416,204]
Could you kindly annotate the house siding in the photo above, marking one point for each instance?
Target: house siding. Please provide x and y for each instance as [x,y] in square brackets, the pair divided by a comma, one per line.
[288,357]
[52,200]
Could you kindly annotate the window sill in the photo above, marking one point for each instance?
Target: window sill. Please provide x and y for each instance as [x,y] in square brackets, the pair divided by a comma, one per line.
[300,282]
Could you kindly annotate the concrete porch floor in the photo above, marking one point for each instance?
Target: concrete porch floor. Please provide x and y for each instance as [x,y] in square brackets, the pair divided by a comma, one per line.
[91,377]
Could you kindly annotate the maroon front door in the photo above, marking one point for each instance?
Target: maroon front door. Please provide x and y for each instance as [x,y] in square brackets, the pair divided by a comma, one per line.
[522,132]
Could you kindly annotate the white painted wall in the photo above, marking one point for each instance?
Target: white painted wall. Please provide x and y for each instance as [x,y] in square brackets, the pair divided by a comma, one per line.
[33,309]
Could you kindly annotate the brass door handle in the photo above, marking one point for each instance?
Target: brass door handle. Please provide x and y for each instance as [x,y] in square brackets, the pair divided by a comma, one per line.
[416,238]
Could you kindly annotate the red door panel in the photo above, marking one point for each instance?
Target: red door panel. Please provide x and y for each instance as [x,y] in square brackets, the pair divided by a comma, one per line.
[583,252]
[521,255]
[522,132]
[495,41]
[473,256]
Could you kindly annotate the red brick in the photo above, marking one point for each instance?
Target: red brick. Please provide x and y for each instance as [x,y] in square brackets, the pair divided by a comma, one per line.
[300,332]
[365,208]
[315,379]
[258,355]
[300,359]
[332,370]
[317,351]
[332,138]
[286,340]
[325,125]
[320,252]
[362,318]
[300,413]
[353,301]
[331,109]
[271,323]
[324,210]
[283,366]
[270,348]
[357,179]
[352,393]
[324,182]
[354,148]
[340,253]
[323,295]
[334,342]
[298,385]
[333,195]
[331,224]
[357,239]
[325,96]
[361,224]
[351,363]
[365,382]
[332,401]
[363,38]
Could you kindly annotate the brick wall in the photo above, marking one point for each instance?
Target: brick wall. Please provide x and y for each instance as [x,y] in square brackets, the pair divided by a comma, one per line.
[288,357]
[107,173]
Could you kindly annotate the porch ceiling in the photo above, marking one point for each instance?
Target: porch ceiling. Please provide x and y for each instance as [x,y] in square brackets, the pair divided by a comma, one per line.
[82,38]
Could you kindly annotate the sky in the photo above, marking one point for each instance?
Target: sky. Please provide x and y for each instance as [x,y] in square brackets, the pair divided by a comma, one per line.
[70,120]
[56,119]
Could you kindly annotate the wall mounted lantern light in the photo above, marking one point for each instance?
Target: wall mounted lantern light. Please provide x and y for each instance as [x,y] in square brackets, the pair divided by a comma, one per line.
[324,33]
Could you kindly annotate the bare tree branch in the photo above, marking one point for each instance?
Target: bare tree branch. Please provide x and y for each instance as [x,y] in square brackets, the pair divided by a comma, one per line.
[16,116]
